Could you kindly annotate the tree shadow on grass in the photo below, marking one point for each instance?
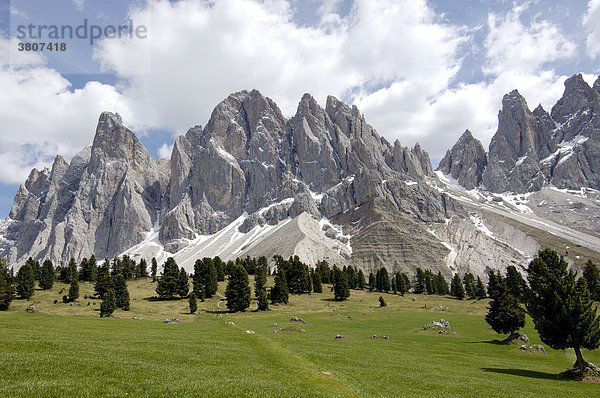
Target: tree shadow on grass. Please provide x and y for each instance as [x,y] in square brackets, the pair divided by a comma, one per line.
[532,374]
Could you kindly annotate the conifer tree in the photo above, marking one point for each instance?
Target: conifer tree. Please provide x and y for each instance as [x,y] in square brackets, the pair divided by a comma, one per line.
[469,284]
[361,283]
[263,302]
[385,280]
[86,270]
[400,285]
[153,269]
[238,290]
[323,269]
[117,267]
[317,285]
[297,276]
[456,288]
[592,277]
[382,302]
[128,267]
[35,267]
[394,288]
[7,285]
[419,282]
[103,280]
[193,303]
[279,292]
[260,281]
[480,289]
[25,281]
[441,284]
[407,283]
[47,275]
[372,282]
[168,283]
[562,310]
[121,293]
[142,269]
[430,286]
[505,315]
[515,283]
[205,276]
[183,284]
[108,304]
[220,268]
[74,287]
[493,281]
[341,289]
[71,271]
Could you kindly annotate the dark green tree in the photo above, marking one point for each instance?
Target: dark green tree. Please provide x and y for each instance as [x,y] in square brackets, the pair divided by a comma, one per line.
[168,283]
[505,315]
[400,285]
[108,304]
[238,289]
[317,285]
[260,281]
[419,282]
[592,277]
[279,292]
[121,293]
[128,266]
[382,302]
[117,267]
[7,285]
[372,282]
[361,282]
[47,275]
[142,269]
[341,289]
[324,270]
[183,284]
[442,285]
[263,302]
[220,267]
[430,283]
[103,280]
[35,267]
[87,270]
[480,289]
[297,277]
[469,284]
[74,287]
[493,283]
[153,269]
[205,276]
[456,288]
[382,280]
[562,310]
[25,281]
[515,283]
[193,303]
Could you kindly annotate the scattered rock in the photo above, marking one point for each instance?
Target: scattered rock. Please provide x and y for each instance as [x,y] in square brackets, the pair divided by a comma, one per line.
[273,324]
[331,305]
[164,313]
[250,331]
[231,323]
[534,348]
[296,319]
[30,309]
[365,313]
[518,336]
[167,321]
[374,336]
[172,323]
[302,331]
[440,308]
[591,371]
[326,373]
[339,336]
[351,318]
[435,325]
[176,320]
[135,317]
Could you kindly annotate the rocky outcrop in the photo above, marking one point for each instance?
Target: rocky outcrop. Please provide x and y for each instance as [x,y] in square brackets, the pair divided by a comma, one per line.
[465,162]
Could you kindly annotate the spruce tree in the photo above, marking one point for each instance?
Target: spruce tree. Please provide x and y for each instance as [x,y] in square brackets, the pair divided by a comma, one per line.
[108,304]
[341,289]
[515,283]
[168,283]
[205,276]
[382,302]
[121,293]
[394,288]
[260,281]
[505,315]
[183,284]
[220,268]
[263,302]
[442,285]
[279,292]
[7,285]
[469,284]
[103,280]
[493,281]
[86,270]
[25,281]
[297,276]
[372,282]
[430,285]
[317,285]
[361,283]
[419,282]
[74,288]
[592,277]
[562,310]
[35,267]
[142,269]
[153,269]
[193,303]
[238,289]
[400,285]
[385,280]
[480,289]
[407,283]
[456,288]
[47,275]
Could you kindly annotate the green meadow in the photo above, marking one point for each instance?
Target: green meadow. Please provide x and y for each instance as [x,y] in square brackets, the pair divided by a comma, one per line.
[67,350]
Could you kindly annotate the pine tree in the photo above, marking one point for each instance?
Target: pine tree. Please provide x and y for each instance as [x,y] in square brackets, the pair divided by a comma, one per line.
[385,280]
[263,302]
[193,303]
[469,284]
[168,285]
[238,290]
[108,304]
[103,280]
[480,289]
[25,281]
[121,293]
[86,270]
[153,269]
[505,315]
[297,276]
[324,271]
[117,267]
[341,289]
[372,282]
[183,284]
[317,285]
[35,267]
[419,282]
[74,287]
[442,285]
[592,277]
[220,268]
[430,285]
[7,286]
[400,283]
[279,292]
[456,288]
[515,283]
[493,283]
[47,275]
[205,277]
[394,288]
[562,310]
[407,284]
[142,269]
[361,283]
[382,302]
[260,282]
[128,266]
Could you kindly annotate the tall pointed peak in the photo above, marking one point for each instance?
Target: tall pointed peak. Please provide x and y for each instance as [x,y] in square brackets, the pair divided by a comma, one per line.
[514,101]
[578,95]
[597,84]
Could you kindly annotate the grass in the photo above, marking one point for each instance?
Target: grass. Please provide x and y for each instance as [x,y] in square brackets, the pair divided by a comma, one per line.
[53,353]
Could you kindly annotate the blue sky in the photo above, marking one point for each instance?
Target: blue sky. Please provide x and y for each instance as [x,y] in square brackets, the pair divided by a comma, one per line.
[420,71]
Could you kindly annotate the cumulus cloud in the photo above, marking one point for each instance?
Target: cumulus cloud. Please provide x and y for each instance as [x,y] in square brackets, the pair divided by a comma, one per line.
[164,152]
[591,23]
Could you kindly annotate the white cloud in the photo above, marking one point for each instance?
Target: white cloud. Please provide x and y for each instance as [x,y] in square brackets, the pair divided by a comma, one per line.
[591,23]
[164,152]
[79,4]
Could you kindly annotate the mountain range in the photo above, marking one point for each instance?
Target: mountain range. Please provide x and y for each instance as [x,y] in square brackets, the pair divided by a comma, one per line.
[323,185]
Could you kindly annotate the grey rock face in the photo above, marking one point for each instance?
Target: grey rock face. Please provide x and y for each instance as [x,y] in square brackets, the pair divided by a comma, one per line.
[465,162]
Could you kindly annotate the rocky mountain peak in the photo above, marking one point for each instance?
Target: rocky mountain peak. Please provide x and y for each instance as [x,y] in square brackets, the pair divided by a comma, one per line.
[597,84]
[577,97]
[466,161]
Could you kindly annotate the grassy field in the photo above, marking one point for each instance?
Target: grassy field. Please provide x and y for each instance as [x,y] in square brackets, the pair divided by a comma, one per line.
[66,350]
